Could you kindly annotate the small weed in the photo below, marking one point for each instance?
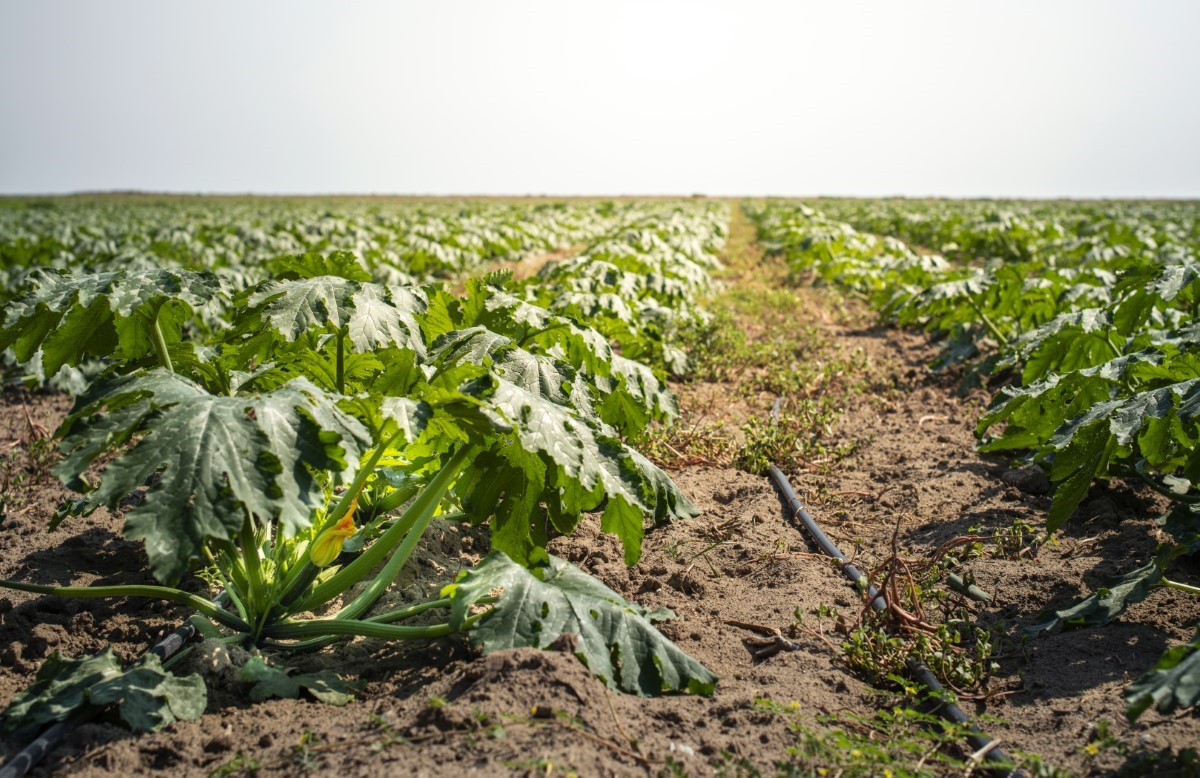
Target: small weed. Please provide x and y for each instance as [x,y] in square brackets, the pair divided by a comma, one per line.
[897,741]
[12,478]
[237,765]
[795,439]
[1102,739]
[541,766]
[683,444]
[671,769]
[1018,541]
[390,736]
[304,754]
[42,455]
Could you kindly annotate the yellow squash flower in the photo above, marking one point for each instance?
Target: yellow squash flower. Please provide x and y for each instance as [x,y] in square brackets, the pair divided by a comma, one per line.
[328,544]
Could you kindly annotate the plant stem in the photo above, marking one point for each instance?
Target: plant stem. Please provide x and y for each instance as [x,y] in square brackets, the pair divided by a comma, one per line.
[370,629]
[1108,339]
[423,505]
[1187,499]
[342,507]
[383,618]
[374,590]
[294,582]
[394,499]
[219,615]
[1167,582]
[341,361]
[259,594]
[160,344]
[988,322]
[229,590]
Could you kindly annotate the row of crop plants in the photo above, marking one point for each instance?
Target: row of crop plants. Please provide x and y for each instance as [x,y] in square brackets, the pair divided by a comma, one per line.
[401,242]
[292,438]
[1092,310]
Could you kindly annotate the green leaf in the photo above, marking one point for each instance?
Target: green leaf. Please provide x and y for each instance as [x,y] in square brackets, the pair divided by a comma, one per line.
[74,317]
[1106,604]
[614,638]
[1174,682]
[373,316]
[273,681]
[207,461]
[595,462]
[343,264]
[59,690]
[147,697]
[1080,457]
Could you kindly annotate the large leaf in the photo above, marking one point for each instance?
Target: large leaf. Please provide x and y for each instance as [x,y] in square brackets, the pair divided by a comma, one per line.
[372,316]
[1106,604]
[73,317]
[274,681]
[1172,683]
[590,465]
[616,639]
[206,461]
[147,697]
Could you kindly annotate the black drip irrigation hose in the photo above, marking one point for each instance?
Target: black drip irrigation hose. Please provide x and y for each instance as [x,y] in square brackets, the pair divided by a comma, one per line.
[30,755]
[916,668]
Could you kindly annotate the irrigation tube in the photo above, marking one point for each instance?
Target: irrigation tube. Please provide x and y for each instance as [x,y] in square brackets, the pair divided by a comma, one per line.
[916,668]
[46,742]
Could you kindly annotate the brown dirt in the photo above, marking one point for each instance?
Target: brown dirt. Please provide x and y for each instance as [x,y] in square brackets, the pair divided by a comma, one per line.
[437,708]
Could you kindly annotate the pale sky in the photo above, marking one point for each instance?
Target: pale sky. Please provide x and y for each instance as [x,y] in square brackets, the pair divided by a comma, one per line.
[948,98]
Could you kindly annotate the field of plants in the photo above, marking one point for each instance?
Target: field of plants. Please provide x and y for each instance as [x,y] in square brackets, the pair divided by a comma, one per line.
[301,485]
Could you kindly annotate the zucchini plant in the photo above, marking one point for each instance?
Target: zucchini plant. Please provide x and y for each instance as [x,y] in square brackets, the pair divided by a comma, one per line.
[298,449]
[1095,314]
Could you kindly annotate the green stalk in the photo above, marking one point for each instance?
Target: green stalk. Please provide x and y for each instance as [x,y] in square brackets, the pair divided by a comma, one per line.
[369,629]
[1116,352]
[341,361]
[302,573]
[383,618]
[374,590]
[424,505]
[259,593]
[229,590]
[219,615]
[1167,582]
[160,344]
[1187,499]
[394,499]
[342,507]
[988,322]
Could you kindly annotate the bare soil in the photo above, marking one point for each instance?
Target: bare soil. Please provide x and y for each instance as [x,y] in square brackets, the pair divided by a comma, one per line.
[735,574]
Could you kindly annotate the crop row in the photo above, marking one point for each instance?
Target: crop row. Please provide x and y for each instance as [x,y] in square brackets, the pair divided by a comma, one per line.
[293,437]
[399,242]
[1091,316]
